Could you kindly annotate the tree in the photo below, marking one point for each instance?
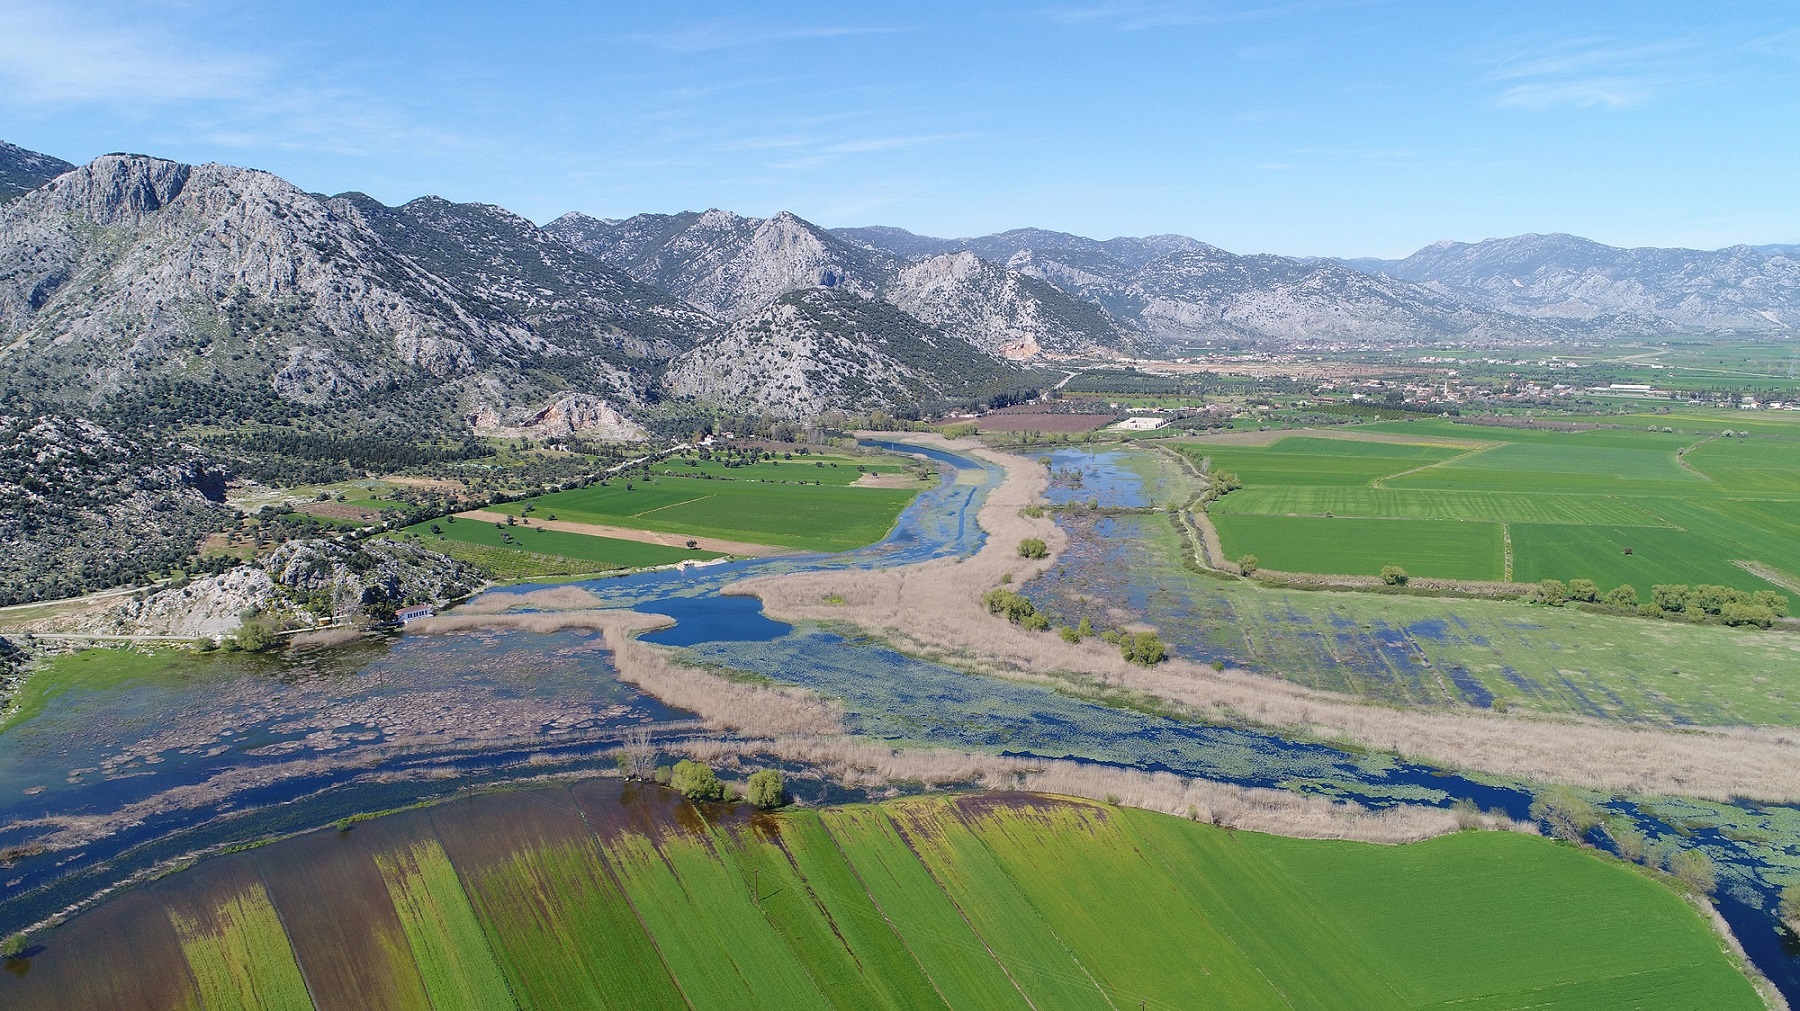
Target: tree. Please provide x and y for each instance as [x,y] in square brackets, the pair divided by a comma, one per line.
[766,789]
[1247,564]
[1394,575]
[1777,603]
[1144,648]
[1033,547]
[697,781]
[1015,607]
[1553,592]
[1584,590]
[1084,628]
[254,637]
[13,946]
[1623,595]
[1670,597]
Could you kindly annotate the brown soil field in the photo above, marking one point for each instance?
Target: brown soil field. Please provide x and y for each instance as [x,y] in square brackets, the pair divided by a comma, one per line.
[338,511]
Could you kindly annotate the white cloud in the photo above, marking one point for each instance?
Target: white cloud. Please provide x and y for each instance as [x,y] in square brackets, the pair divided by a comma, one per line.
[57,56]
[1592,73]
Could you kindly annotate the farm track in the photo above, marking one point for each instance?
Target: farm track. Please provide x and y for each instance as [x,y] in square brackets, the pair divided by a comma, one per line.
[642,536]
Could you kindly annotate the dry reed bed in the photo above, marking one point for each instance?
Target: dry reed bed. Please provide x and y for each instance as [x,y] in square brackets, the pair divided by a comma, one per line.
[935,607]
[796,725]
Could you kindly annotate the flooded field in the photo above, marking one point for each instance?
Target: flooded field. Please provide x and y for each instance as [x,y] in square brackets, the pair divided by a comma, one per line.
[600,894]
[206,752]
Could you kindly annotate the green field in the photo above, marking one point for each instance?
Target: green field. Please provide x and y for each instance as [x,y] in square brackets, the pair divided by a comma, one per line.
[1689,505]
[762,504]
[601,896]
[527,550]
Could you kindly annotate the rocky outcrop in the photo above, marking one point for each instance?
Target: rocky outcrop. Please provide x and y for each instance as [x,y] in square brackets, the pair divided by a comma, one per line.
[22,171]
[301,584]
[573,414]
[1003,312]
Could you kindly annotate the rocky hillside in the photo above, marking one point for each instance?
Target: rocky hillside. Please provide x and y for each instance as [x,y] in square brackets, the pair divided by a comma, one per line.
[22,171]
[727,264]
[82,508]
[1565,277]
[133,281]
[734,267]
[832,350]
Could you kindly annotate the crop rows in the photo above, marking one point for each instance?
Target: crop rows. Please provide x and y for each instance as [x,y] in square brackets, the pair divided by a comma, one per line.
[605,897]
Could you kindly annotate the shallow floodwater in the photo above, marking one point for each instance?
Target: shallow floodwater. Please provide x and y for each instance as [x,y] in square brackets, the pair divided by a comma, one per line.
[122,779]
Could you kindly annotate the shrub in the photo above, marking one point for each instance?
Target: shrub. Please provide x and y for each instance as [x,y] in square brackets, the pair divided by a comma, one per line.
[1084,628]
[960,431]
[1033,547]
[1695,870]
[1623,595]
[1553,592]
[1069,634]
[1394,575]
[1631,844]
[1110,636]
[1746,614]
[1789,907]
[1584,590]
[1144,648]
[696,781]
[1468,816]
[1568,815]
[1013,606]
[1247,564]
[1776,603]
[766,789]
[1037,621]
[254,637]
[1671,597]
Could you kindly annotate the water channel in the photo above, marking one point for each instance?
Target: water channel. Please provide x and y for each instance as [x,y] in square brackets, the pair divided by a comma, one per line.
[211,751]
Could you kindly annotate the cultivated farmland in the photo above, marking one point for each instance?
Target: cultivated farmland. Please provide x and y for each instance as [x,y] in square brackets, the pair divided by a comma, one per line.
[1625,505]
[525,550]
[810,503]
[602,895]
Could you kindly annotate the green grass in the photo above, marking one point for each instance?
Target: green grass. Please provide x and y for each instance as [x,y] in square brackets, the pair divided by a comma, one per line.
[98,669]
[1441,549]
[811,517]
[448,946]
[992,901]
[593,553]
[239,955]
[1689,504]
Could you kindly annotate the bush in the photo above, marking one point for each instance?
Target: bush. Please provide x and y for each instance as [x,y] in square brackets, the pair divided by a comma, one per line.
[1033,547]
[1553,592]
[1015,607]
[1631,844]
[1623,595]
[1586,591]
[13,946]
[1789,907]
[696,781]
[1144,648]
[254,637]
[1695,870]
[960,431]
[1247,564]
[1394,575]
[1746,614]
[1069,634]
[1568,815]
[767,790]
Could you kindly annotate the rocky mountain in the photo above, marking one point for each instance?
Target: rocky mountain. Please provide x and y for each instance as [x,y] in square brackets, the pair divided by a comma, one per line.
[134,280]
[727,264]
[1565,277]
[82,508]
[734,267]
[22,171]
[830,349]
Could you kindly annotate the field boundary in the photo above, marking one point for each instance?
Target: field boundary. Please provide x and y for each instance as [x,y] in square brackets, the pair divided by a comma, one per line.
[706,543]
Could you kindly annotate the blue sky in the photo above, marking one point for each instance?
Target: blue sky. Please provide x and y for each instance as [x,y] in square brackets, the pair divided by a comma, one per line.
[1354,128]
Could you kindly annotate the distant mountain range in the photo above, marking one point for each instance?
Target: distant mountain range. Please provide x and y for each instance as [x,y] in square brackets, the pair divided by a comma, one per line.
[144,289]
